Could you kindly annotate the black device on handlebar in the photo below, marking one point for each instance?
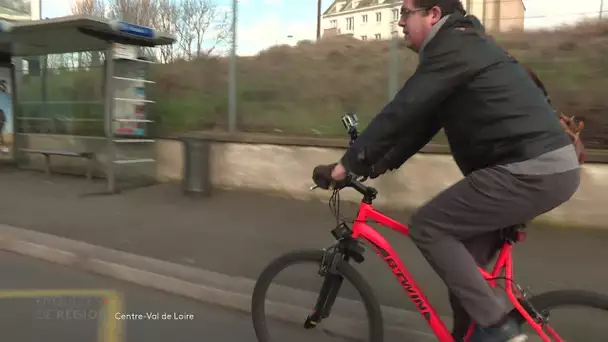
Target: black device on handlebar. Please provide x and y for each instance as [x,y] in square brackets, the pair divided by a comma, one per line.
[350,122]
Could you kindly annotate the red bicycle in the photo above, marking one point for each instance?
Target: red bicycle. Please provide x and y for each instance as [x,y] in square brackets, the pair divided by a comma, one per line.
[334,267]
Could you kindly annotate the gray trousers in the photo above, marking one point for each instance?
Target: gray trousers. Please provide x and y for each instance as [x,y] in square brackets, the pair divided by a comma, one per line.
[460,228]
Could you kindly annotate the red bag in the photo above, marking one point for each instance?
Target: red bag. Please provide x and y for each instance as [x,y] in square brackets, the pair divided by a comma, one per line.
[573,128]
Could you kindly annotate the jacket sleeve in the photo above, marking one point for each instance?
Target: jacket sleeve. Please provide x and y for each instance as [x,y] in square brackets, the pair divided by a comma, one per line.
[444,67]
[410,144]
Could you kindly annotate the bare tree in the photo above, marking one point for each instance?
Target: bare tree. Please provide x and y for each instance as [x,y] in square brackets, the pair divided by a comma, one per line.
[139,12]
[57,61]
[89,7]
[211,21]
[185,36]
[202,27]
[166,21]
[95,8]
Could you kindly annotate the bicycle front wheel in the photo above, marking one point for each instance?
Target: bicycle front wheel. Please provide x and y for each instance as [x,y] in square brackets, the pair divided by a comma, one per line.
[309,318]
[569,315]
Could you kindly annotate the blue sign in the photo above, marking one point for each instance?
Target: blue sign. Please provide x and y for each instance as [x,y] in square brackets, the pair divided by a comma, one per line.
[132,29]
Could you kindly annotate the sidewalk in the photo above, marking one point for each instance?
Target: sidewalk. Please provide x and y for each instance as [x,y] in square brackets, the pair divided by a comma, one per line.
[45,306]
[238,233]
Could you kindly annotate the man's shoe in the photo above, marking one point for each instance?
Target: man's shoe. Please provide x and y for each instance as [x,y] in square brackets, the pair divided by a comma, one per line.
[508,331]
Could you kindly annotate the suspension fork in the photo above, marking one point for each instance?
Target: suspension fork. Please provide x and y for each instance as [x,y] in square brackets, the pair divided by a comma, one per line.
[332,281]
[345,249]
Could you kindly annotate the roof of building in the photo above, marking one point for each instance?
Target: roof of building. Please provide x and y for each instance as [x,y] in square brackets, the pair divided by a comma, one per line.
[356,4]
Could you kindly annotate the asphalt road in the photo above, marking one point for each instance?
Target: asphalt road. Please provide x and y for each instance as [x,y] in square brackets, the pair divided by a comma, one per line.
[44,302]
[238,233]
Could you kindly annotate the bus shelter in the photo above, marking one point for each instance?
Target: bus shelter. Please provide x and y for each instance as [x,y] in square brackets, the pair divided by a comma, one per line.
[123,107]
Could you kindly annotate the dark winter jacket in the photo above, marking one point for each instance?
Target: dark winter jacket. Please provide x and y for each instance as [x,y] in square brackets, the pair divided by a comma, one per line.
[490,109]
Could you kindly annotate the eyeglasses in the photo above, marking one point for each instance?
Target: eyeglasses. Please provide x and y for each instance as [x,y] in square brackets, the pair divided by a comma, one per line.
[406,12]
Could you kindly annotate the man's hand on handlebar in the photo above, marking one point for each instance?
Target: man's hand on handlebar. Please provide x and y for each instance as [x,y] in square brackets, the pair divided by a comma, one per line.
[335,176]
[332,176]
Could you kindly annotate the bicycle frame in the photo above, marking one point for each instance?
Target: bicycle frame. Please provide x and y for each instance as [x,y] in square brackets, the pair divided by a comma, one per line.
[360,229]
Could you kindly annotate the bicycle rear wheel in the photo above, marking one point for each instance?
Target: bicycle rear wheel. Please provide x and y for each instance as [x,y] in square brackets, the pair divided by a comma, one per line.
[545,305]
[328,293]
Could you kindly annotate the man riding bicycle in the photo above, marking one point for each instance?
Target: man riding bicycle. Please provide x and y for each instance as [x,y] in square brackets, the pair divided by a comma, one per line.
[517,160]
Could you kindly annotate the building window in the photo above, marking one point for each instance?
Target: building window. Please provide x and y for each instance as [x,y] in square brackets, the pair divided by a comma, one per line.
[350,24]
[333,23]
[363,37]
[378,16]
[364,18]
[395,14]
[377,35]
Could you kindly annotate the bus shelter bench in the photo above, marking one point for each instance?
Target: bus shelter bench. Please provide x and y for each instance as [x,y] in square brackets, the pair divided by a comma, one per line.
[88,156]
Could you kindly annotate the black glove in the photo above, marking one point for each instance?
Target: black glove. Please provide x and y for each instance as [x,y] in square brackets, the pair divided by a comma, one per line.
[321,175]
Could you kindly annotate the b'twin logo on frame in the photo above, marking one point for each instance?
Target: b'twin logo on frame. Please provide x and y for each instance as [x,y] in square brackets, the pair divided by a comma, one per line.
[405,283]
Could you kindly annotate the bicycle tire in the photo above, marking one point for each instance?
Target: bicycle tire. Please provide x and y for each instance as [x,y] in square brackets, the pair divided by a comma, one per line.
[564,298]
[372,306]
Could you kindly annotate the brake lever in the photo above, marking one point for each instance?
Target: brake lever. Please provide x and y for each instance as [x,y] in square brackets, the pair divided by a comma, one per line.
[357,178]
[313,187]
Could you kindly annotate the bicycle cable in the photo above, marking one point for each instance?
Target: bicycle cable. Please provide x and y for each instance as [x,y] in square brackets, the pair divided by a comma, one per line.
[334,207]
[512,282]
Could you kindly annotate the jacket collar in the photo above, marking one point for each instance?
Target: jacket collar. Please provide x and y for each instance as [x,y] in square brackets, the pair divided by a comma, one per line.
[432,33]
[450,21]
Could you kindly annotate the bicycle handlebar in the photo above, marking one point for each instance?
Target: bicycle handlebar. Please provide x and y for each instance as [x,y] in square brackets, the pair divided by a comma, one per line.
[350,122]
[368,192]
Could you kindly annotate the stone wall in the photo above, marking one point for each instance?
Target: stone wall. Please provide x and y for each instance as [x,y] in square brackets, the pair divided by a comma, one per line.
[287,170]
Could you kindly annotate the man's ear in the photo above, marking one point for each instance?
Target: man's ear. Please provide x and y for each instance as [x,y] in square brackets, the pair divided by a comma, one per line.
[435,13]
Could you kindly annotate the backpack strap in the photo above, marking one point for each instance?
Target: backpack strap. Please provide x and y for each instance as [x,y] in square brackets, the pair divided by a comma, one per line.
[536,80]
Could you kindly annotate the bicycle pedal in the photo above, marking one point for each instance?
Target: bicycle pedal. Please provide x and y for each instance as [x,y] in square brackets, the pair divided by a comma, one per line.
[309,324]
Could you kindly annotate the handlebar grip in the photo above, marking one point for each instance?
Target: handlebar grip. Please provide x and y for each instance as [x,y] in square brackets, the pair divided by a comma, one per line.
[321,175]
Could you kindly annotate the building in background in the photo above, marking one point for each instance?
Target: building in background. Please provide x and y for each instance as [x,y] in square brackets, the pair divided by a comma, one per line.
[377,19]
[18,10]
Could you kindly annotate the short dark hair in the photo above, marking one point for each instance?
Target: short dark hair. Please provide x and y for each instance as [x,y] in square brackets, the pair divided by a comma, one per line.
[447,6]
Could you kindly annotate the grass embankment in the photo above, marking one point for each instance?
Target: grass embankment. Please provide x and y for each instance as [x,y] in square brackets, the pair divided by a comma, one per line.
[304,89]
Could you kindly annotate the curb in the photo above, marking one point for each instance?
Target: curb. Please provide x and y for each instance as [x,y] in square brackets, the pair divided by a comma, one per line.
[202,285]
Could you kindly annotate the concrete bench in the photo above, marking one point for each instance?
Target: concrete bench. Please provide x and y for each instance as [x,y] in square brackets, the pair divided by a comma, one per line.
[47,153]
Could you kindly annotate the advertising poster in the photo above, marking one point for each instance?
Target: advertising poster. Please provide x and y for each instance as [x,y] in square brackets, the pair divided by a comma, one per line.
[6,113]
[130,93]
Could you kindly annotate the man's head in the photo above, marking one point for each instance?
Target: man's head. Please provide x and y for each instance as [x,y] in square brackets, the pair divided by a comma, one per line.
[418,16]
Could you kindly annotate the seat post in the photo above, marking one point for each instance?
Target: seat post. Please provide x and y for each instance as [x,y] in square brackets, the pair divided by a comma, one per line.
[514,234]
